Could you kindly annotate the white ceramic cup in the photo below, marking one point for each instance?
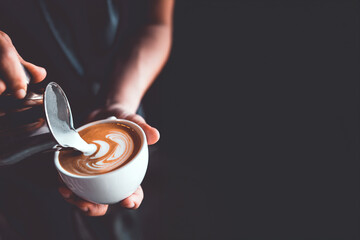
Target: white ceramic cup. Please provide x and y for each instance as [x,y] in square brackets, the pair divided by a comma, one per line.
[113,186]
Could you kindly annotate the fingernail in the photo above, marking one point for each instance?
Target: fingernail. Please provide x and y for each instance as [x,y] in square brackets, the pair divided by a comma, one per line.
[20,93]
[132,205]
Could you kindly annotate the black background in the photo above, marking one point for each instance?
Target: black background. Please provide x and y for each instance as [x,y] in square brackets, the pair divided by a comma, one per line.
[258,108]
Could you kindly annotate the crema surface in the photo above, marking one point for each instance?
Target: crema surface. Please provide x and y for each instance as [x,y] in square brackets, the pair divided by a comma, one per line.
[116,144]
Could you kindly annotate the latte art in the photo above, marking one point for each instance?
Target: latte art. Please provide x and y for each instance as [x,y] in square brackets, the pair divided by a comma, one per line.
[106,159]
[116,144]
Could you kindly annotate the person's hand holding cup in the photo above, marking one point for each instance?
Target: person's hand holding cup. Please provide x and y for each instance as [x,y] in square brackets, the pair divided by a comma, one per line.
[127,176]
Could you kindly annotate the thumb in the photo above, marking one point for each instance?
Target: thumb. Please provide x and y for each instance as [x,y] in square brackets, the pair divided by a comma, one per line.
[152,134]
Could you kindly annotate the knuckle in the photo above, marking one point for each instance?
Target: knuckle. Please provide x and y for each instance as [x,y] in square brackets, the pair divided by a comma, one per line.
[9,53]
[3,34]
[6,36]
[16,82]
[6,55]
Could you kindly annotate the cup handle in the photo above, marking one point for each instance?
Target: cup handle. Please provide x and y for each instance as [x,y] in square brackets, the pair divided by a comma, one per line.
[19,151]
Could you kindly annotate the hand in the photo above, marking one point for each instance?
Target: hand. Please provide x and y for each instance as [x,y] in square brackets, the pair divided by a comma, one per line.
[11,72]
[133,201]
[117,110]
[94,209]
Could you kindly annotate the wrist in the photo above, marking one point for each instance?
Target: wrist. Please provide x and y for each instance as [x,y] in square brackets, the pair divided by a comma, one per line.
[128,100]
[123,106]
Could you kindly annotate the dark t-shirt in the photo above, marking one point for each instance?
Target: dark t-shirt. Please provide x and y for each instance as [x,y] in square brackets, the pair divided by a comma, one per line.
[76,41]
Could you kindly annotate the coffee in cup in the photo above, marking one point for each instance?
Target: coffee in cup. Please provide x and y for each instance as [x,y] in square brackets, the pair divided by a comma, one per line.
[116,144]
[115,170]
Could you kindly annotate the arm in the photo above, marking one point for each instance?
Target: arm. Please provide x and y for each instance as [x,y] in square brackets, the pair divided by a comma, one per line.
[139,62]
[142,58]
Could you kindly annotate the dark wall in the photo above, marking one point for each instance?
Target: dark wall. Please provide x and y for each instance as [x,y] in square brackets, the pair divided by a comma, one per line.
[258,108]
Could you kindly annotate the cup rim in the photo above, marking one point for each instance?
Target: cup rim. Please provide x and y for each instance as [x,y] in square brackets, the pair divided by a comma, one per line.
[133,125]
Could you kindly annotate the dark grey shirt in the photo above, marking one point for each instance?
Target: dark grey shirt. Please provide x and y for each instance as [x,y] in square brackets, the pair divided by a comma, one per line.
[76,41]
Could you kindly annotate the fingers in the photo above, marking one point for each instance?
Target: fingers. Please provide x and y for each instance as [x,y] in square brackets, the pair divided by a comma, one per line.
[12,72]
[10,68]
[134,201]
[94,209]
[2,86]
[88,208]
[152,134]
[37,73]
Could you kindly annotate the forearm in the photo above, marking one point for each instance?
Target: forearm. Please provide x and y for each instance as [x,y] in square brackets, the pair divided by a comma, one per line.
[139,63]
